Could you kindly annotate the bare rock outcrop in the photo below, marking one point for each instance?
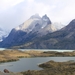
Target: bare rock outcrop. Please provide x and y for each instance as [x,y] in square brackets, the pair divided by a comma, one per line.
[6,71]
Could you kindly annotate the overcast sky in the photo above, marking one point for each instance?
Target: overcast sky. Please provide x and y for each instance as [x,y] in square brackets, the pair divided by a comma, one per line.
[15,12]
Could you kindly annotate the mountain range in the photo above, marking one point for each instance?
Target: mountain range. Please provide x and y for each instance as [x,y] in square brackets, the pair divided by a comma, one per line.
[40,33]
[34,27]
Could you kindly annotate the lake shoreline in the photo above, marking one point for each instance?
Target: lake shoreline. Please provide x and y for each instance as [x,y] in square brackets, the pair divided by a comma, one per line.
[50,68]
[54,68]
[15,55]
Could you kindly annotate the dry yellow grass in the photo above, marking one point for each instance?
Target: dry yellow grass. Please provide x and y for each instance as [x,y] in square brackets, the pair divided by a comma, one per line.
[12,55]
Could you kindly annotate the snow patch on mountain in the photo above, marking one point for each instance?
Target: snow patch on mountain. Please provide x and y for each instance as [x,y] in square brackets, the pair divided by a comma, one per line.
[3,34]
[58,26]
[28,25]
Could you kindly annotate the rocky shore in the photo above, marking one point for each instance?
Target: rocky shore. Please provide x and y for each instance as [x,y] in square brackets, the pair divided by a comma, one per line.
[11,73]
[49,68]
[54,68]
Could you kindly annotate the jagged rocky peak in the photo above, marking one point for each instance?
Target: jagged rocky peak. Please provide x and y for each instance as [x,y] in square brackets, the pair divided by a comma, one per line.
[36,16]
[46,18]
[33,22]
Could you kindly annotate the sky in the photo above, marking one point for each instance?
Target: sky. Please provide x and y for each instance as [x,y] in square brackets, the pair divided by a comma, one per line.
[15,12]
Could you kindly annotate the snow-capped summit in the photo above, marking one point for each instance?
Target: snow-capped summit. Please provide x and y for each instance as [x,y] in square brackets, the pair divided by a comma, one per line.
[36,24]
[34,27]
[29,23]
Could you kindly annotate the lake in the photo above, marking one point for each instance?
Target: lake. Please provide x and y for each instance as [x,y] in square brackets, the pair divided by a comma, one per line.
[40,50]
[48,50]
[25,64]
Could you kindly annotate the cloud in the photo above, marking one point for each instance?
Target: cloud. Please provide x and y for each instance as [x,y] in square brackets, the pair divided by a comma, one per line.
[15,12]
[64,11]
[5,4]
[17,2]
[30,1]
[33,7]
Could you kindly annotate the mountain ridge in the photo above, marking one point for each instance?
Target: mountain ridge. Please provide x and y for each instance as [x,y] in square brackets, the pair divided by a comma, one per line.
[61,39]
[34,27]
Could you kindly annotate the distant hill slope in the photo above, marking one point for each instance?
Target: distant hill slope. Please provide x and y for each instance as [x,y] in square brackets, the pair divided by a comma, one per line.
[62,39]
